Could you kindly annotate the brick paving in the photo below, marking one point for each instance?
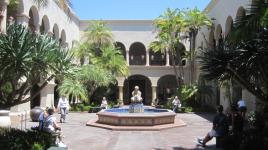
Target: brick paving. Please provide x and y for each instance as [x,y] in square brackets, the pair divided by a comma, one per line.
[78,136]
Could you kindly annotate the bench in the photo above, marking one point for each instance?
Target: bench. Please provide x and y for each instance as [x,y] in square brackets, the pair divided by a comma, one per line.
[180,109]
[94,109]
[57,148]
[220,141]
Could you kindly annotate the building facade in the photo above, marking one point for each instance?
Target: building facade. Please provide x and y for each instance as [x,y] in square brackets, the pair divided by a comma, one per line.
[151,71]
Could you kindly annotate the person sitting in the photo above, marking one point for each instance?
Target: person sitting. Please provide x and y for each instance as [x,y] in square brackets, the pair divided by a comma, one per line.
[176,103]
[41,119]
[51,126]
[104,103]
[136,95]
[220,127]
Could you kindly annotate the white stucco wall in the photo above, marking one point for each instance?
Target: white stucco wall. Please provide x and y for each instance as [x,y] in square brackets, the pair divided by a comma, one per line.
[55,16]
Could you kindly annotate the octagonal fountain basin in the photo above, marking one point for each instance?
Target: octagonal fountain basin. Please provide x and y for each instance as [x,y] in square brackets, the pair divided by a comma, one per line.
[122,117]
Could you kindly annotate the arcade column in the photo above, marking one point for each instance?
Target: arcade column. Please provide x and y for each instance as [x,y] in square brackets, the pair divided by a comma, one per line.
[127,57]
[153,95]
[121,102]
[3,15]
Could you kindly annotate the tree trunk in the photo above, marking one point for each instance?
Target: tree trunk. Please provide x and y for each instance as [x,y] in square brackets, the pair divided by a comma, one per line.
[192,54]
[175,69]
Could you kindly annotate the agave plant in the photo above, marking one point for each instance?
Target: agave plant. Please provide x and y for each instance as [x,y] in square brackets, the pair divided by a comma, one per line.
[25,58]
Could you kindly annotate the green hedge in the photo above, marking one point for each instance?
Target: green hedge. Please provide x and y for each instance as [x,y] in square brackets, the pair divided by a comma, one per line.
[24,140]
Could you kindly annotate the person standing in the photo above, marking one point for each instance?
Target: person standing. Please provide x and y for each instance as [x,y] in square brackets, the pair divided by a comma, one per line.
[242,107]
[176,103]
[63,106]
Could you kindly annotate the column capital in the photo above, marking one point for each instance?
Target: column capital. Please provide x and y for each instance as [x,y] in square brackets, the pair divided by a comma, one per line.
[22,15]
[50,33]
[147,58]
[127,57]
[22,19]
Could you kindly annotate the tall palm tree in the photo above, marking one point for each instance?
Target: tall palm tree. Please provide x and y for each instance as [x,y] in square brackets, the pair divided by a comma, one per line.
[194,19]
[168,26]
[98,35]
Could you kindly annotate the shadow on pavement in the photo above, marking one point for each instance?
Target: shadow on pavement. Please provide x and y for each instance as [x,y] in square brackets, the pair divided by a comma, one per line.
[198,147]
[207,116]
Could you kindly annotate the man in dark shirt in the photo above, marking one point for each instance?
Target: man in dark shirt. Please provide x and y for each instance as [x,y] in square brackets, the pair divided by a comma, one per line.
[220,127]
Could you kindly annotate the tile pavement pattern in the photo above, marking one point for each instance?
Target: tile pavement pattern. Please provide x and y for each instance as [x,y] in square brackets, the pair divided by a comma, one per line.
[78,136]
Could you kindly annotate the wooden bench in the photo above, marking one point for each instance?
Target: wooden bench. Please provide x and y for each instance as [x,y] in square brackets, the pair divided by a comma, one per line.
[180,109]
[94,109]
[219,141]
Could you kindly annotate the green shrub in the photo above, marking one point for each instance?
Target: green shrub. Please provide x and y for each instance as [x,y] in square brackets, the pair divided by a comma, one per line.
[80,107]
[37,146]
[188,109]
[19,139]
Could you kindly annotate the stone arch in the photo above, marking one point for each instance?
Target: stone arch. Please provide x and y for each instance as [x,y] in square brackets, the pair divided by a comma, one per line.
[228,25]
[144,84]
[34,19]
[157,58]
[63,37]
[121,47]
[56,31]
[240,12]
[137,54]
[166,87]
[180,51]
[45,26]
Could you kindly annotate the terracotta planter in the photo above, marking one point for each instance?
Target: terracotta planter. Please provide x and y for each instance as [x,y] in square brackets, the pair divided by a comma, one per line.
[5,120]
[35,113]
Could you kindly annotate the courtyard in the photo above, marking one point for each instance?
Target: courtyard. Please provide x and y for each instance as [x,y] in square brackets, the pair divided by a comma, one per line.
[78,136]
[155,77]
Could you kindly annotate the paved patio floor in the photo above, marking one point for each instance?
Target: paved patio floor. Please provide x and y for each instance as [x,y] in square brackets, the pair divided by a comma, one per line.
[78,136]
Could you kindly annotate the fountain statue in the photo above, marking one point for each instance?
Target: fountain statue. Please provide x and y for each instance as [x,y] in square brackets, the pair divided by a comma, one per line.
[136,105]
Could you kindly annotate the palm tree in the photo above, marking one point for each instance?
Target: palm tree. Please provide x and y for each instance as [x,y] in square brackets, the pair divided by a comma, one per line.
[243,58]
[81,51]
[98,35]
[112,60]
[169,25]
[194,19]
[24,59]
[73,88]
[82,81]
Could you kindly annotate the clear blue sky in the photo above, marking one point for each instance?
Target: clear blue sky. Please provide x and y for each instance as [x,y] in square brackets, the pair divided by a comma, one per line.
[130,9]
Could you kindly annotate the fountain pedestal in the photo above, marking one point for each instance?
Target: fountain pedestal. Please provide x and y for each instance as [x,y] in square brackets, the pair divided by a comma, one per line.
[136,108]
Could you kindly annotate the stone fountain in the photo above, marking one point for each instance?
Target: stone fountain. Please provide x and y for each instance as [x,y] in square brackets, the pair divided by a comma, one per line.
[136,116]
